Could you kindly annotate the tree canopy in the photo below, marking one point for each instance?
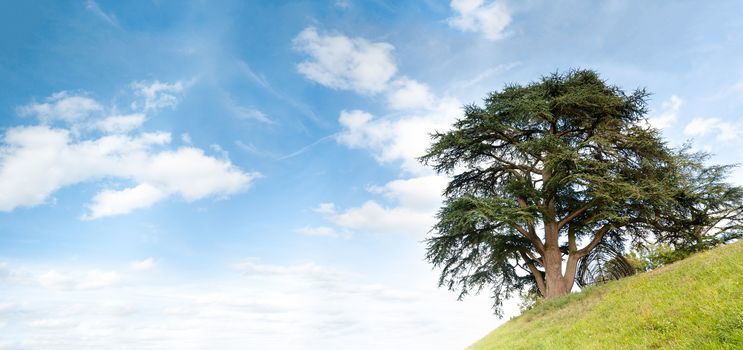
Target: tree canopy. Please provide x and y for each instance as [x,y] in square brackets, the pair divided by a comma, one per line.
[544,173]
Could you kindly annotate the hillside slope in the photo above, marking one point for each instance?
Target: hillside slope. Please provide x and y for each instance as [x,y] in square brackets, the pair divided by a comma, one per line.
[696,303]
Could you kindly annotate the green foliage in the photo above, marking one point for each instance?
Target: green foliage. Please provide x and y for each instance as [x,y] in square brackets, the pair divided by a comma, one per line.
[637,262]
[528,300]
[696,303]
[653,256]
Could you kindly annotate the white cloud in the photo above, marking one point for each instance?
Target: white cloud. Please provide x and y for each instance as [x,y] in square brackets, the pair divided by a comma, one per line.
[726,131]
[340,62]
[668,114]
[194,175]
[36,161]
[111,202]
[372,217]
[418,193]
[82,112]
[701,126]
[157,95]
[120,123]
[143,265]
[729,131]
[409,94]
[354,63]
[62,106]
[489,19]
[325,208]
[354,135]
[416,201]
[402,138]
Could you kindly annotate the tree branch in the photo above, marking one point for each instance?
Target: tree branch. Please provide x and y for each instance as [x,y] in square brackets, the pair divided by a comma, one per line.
[534,239]
[532,257]
[571,240]
[535,272]
[573,215]
[532,233]
[595,241]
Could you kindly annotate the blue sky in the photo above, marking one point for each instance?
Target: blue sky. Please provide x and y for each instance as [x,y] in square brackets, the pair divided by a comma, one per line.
[243,175]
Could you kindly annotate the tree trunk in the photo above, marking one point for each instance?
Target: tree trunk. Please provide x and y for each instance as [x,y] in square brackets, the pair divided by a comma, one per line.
[556,283]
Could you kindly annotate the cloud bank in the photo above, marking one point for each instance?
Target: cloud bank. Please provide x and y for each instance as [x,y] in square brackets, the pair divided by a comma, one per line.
[78,140]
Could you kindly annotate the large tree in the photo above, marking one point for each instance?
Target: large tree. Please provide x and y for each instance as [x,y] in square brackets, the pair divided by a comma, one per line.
[541,175]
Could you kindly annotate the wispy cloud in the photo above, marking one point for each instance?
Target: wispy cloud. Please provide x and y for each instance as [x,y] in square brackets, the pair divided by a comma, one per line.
[144,265]
[120,123]
[726,131]
[252,149]
[306,148]
[93,7]
[156,95]
[266,85]
[93,279]
[251,304]
[62,106]
[484,75]
[246,113]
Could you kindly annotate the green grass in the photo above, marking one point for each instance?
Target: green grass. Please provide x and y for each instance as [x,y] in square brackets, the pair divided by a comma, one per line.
[696,303]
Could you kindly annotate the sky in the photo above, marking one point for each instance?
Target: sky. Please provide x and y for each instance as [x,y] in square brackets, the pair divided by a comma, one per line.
[232,175]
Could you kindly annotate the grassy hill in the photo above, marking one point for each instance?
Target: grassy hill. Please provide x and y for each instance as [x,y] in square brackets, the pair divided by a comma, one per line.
[696,303]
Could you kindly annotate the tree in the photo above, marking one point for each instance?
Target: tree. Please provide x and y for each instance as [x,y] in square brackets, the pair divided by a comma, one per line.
[541,176]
